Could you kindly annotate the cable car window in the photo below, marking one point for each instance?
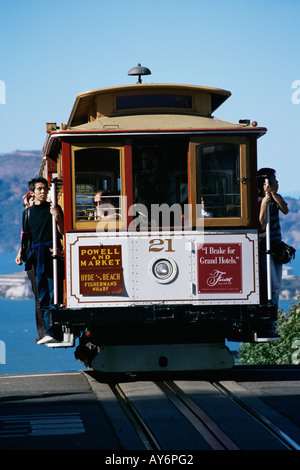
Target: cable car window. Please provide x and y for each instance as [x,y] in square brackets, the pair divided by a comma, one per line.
[218,184]
[97,183]
[160,181]
[154,101]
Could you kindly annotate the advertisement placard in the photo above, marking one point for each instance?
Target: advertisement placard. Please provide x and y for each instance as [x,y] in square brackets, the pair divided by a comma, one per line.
[219,268]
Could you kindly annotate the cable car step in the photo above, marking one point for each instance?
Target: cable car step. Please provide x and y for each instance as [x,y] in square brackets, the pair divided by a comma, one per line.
[67,342]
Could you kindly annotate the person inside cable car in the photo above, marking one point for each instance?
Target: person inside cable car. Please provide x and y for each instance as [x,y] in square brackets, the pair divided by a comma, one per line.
[152,182]
[106,207]
[95,214]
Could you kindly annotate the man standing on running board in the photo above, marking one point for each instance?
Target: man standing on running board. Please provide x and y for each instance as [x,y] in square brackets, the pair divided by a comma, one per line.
[39,226]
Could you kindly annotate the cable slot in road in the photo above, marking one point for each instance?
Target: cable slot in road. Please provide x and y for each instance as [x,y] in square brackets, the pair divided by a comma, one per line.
[208,429]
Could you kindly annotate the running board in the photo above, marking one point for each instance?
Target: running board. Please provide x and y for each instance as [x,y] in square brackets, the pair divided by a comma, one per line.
[62,344]
[163,357]
[67,342]
[265,339]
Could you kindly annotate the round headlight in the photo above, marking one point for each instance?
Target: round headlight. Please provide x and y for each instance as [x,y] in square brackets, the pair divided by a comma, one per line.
[162,269]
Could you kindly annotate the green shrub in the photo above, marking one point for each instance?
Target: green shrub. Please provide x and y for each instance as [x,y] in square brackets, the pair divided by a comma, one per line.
[284,351]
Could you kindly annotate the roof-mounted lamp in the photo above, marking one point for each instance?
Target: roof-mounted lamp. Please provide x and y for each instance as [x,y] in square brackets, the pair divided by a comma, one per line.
[139,70]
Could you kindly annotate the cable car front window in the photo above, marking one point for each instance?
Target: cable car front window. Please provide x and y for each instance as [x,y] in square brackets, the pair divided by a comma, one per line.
[97,182]
[160,182]
[218,184]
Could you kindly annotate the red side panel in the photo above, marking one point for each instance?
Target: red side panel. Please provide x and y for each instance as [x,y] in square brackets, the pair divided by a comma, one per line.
[51,168]
[128,177]
[253,196]
[66,169]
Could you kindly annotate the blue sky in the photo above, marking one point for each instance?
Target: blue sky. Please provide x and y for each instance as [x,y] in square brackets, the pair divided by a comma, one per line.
[51,51]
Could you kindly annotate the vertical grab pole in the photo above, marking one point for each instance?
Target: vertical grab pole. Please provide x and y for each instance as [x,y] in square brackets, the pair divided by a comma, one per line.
[268,249]
[54,238]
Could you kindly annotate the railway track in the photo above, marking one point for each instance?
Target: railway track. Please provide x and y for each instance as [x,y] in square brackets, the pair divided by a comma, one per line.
[209,430]
[198,415]
[282,437]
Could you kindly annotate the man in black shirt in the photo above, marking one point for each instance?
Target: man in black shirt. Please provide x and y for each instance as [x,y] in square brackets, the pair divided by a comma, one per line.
[39,226]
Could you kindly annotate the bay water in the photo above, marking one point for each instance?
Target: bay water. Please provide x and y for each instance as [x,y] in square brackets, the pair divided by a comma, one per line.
[19,353]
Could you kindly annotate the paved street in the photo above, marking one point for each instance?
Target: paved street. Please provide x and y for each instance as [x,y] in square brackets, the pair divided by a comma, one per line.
[81,411]
[52,411]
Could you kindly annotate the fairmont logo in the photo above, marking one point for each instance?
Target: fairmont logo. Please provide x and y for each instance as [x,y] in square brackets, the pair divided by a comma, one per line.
[217,277]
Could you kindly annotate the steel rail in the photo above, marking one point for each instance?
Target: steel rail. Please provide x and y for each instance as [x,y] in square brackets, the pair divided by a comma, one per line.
[286,440]
[206,427]
[142,430]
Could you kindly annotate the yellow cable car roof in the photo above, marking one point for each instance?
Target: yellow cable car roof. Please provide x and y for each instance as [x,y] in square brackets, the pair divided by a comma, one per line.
[146,99]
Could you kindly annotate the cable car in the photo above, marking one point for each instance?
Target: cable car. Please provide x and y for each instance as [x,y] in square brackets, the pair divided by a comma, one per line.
[161,228]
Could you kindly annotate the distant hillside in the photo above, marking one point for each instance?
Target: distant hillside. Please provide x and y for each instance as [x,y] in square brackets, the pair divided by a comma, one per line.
[18,167]
[290,223]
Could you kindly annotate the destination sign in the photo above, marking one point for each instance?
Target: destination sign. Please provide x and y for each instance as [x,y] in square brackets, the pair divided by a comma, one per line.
[100,270]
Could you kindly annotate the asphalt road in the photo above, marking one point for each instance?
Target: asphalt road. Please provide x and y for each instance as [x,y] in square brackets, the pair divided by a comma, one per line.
[52,411]
[79,411]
